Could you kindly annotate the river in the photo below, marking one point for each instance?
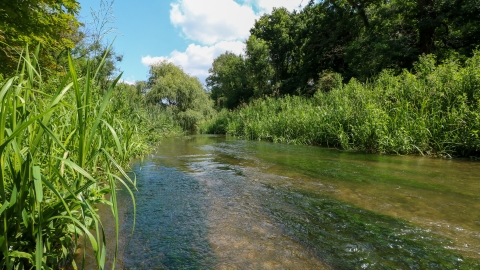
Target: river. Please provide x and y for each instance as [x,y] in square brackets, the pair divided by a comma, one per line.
[214,202]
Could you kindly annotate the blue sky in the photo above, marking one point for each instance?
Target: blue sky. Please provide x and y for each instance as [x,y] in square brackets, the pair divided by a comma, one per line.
[189,33]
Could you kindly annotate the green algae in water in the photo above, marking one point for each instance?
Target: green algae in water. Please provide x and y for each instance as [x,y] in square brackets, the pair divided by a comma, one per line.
[347,237]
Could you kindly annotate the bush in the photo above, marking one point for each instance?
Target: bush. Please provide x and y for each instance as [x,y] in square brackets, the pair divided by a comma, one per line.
[433,111]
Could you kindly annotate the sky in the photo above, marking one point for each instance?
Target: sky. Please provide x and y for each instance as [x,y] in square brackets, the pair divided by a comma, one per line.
[188,33]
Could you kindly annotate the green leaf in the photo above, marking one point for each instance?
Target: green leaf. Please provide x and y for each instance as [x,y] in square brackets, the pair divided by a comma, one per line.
[25,217]
[115,138]
[20,254]
[37,180]
[77,168]
[39,249]
[4,206]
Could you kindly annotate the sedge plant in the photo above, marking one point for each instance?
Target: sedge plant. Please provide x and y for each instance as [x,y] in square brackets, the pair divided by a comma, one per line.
[61,152]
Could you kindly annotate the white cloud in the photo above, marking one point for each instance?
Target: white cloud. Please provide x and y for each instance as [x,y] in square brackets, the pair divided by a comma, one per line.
[212,21]
[268,5]
[197,59]
[127,81]
[219,25]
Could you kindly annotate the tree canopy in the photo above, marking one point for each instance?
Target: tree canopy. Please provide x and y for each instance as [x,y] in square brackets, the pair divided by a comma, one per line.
[179,92]
[290,53]
[51,23]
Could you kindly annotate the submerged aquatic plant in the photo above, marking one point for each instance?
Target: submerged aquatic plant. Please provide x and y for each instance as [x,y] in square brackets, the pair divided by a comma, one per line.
[348,237]
[61,151]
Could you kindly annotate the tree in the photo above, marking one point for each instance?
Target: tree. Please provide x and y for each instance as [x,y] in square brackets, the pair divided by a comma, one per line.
[277,31]
[260,70]
[51,23]
[298,53]
[390,41]
[228,81]
[184,95]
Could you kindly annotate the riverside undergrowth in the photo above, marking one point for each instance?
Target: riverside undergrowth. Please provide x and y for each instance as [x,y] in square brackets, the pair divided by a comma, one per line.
[431,111]
[63,146]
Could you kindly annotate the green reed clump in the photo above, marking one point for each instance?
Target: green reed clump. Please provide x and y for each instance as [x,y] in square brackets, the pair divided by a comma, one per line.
[433,111]
[216,124]
[63,146]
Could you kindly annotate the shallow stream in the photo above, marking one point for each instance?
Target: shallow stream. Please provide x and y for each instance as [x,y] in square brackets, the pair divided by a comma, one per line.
[213,202]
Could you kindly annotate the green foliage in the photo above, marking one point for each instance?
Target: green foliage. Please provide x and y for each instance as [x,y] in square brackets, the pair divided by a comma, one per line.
[90,55]
[287,51]
[279,34]
[149,122]
[51,23]
[217,124]
[64,146]
[228,82]
[179,93]
[260,70]
[432,112]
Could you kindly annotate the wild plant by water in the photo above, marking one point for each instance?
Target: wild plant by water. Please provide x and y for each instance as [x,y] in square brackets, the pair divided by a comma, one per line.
[433,111]
[61,151]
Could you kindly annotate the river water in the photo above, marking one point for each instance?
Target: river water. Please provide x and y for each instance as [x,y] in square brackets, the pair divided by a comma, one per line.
[213,202]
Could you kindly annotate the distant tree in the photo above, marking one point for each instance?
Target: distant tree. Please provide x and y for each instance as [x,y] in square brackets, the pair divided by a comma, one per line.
[93,48]
[181,93]
[141,87]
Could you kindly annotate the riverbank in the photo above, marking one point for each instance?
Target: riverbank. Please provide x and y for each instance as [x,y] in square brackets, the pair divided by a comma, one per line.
[432,111]
[65,143]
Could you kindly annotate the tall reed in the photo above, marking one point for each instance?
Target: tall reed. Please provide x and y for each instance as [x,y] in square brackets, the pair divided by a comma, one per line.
[60,154]
[434,111]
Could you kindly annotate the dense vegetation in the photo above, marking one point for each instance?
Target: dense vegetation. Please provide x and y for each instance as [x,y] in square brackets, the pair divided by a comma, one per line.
[68,129]
[431,112]
[51,23]
[65,144]
[390,77]
[289,53]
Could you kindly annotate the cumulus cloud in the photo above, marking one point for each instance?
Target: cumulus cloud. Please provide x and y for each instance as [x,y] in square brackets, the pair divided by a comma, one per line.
[130,81]
[212,21]
[218,26]
[197,59]
[268,5]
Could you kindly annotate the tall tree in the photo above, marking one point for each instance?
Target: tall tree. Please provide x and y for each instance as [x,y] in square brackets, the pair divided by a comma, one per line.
[278,31]
[259,68]
[228,82]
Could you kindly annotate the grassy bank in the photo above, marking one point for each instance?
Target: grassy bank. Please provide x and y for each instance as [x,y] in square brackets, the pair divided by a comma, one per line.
[64,144]
[431,111]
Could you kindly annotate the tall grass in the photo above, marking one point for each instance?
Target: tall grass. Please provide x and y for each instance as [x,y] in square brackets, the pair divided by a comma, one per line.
[61,151]
[433,111]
